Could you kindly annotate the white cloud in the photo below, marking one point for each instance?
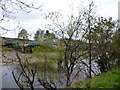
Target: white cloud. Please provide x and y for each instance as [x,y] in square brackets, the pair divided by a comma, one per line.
[32,21]
[108,8]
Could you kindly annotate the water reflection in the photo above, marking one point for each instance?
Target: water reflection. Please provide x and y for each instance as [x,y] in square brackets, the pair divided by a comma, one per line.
[7,77]
[8,80]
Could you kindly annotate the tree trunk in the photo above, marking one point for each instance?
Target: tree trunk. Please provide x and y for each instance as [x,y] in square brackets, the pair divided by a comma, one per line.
[90,60]
[68,81]
[23,48]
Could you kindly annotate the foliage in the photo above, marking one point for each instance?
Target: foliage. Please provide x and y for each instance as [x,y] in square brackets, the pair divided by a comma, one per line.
[26,76]
[36,37]
[17,47]
[102,36]
[47,34]
[89,17]
[43,48]
[116,42]
[70,47]
[80,37]
[47,72]
[7,49]
[23,34]
[12,47]
[39,35]
[108,79]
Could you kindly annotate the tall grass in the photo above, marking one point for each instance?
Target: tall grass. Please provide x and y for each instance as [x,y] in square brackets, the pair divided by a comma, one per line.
[108,79]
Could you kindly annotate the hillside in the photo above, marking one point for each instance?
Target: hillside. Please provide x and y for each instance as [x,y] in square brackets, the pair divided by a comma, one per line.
[110,79]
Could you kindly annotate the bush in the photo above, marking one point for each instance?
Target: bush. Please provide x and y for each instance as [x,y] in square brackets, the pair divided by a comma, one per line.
[44,48]
[7,49]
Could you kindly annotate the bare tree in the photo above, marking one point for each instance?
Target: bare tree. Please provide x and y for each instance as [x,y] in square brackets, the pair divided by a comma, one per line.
[24,72]
[9,8]
[74,45]
[71,45]
[90,20]
[28,74]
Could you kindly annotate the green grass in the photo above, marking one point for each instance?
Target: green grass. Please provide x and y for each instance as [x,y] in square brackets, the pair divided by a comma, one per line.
[44,48]
[11,48]
[7,49]
[108,79]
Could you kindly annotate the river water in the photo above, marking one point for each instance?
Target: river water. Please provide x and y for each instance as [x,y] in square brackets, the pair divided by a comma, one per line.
[8,80]
[7,77]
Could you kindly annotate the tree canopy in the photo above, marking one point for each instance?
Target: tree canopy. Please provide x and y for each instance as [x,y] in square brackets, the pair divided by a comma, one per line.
[23,34]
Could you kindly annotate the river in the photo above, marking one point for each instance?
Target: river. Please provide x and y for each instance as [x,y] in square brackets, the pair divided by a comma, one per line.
[8,80]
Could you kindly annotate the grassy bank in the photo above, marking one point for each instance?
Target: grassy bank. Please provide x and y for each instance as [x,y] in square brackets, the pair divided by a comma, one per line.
[108,79]
[7,49]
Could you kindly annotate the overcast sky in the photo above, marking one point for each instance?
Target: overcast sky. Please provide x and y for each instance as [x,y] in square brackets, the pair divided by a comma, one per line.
[35,20]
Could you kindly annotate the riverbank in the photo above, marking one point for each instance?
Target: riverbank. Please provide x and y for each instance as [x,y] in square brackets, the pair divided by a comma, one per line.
[108,79]
[10,58]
